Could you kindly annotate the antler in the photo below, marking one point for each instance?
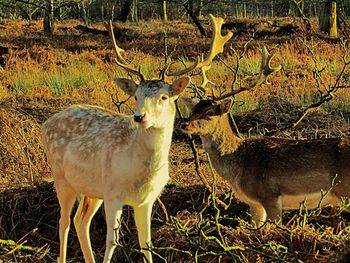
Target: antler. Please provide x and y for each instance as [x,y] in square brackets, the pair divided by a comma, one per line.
[265,71]
[217,47]
[120,60]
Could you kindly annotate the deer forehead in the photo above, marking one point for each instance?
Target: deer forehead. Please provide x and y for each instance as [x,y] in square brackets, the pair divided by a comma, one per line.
[152,88]
[203,107]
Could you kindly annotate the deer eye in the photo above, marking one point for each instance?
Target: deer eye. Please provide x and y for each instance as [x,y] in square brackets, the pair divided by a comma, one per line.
[136,98]
[210,112]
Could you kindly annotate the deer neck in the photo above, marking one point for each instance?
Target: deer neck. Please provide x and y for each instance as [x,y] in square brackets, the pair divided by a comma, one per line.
[223,139]
[156,140]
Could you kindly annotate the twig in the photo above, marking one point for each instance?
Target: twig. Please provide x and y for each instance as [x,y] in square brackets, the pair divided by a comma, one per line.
[117,102]
[195,154]
[325,97]
[162,206]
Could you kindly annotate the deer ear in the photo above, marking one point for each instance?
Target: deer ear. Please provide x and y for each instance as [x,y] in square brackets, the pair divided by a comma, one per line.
[127,85]
[179,85]
[188,102]
[225,106]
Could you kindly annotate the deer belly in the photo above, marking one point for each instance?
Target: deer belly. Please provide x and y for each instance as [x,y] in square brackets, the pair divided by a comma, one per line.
[310,200]
[85,180]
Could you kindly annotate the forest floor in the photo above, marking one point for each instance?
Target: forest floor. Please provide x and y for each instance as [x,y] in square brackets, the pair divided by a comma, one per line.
[41,75]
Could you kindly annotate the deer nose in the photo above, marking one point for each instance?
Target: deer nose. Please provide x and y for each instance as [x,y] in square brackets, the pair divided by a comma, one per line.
[184,125]
[139,118]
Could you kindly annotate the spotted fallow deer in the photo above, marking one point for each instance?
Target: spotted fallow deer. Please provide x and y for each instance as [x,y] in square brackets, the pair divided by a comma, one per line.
[270,173]
[116,159]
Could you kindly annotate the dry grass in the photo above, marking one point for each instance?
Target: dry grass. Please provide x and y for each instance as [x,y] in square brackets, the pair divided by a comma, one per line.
[43,75]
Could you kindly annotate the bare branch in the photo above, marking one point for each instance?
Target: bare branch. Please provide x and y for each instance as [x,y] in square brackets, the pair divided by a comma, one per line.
[265,71]
[301,13]
[324,97]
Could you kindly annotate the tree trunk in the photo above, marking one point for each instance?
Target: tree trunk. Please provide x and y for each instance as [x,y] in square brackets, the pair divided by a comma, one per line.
[200,6]
[327,20]
[165,13]
[190,11]
[102,13]
[134,13]
[83,12]
[333,32]
[323,19]
[125,11]
[49,16]
[272,9]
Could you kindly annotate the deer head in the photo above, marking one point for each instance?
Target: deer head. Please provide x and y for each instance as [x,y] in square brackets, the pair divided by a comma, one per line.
[155,98]
[205,116]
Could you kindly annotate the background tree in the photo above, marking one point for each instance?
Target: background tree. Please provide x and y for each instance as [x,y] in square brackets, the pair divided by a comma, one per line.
[49,16]
[125,11]
[165,12]
[135,10]
[328,18]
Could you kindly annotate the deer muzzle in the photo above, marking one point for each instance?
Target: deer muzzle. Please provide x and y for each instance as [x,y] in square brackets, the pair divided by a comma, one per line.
[139,117]
[185,126]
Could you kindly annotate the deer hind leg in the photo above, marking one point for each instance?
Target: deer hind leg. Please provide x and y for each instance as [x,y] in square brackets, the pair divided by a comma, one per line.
[66,198]
[143,224]
[113,211]
[82,220]
[273,207]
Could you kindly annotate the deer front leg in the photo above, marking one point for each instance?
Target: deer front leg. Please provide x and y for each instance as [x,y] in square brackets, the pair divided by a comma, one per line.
[258,214]
[82,220]
[143,224]
[113,210]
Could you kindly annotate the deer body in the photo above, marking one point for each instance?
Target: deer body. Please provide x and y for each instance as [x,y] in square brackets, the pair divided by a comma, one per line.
[114,158]
[104,149]
[272,173]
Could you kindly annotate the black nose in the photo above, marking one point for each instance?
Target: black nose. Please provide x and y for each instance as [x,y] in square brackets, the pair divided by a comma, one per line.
[139,118]
[184,124]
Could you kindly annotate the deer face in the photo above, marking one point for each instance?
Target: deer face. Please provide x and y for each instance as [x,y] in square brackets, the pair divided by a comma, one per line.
[155,100]
[205,116]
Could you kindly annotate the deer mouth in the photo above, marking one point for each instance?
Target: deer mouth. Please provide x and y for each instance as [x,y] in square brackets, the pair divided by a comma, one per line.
[144,124]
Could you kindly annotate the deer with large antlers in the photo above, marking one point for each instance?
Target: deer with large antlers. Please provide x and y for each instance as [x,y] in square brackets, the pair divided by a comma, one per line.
[267,173]
[117,159]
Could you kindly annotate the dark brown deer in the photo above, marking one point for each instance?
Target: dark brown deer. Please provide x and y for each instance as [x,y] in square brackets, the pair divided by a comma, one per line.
[267,173]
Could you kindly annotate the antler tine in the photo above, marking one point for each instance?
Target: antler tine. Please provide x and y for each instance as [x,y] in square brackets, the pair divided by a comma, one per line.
[217,47]
[205,79]
[265,71]
[120,60]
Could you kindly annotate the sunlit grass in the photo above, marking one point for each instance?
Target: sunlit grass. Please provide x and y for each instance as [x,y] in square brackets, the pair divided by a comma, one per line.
[76,74]
[91,72]
[26,79]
